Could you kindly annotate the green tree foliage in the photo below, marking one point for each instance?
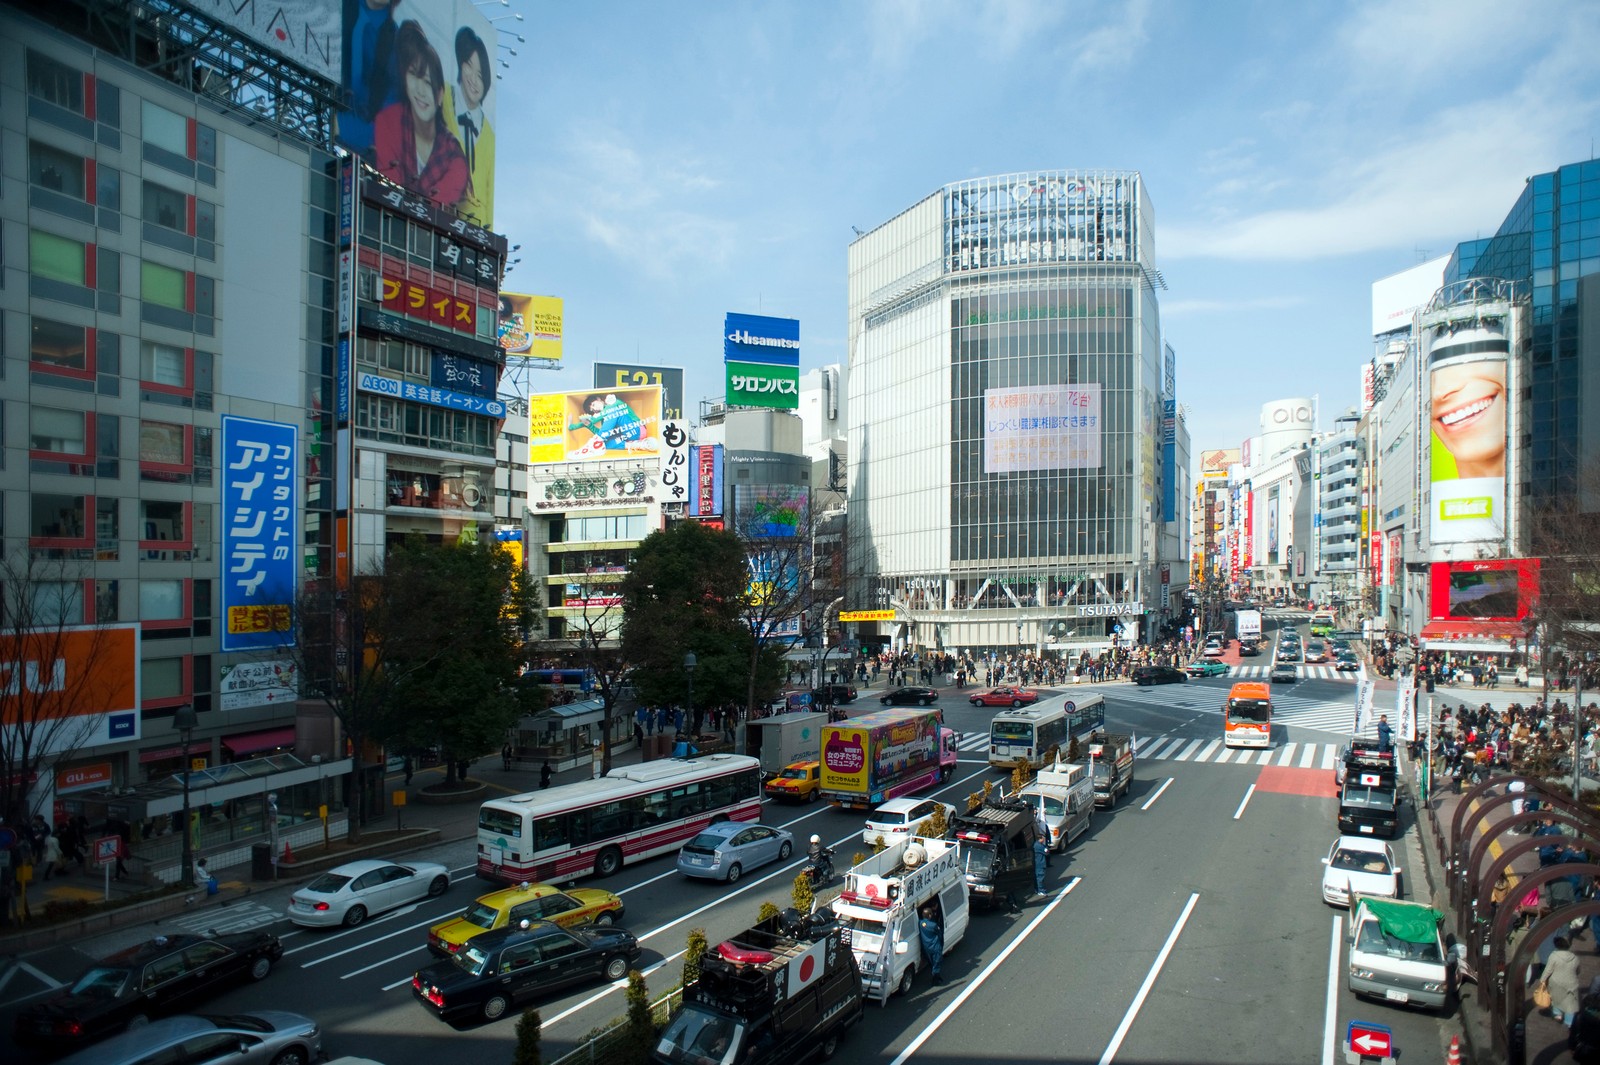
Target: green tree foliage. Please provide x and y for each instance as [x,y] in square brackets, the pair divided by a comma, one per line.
[685,591]
[695,950]
[1074,750]
[528,1031]
[641,1028]
[804,897]
[768,909]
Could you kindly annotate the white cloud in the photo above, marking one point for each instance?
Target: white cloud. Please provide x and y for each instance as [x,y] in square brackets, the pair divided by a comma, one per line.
[1110,47]
[1183,308]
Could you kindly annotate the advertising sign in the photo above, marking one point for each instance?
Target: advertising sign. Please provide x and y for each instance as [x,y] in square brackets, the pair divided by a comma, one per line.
[589,426]
[260,508]
[458,373]
[306,32]
[1169,457]
[530,326]
[275,682]
[1214,464]
[706,463]
[1502,589]
[433,397]
[1375,557]
[88,674]
[771,511]
[434,306]
[1044,427]
[753,384]
[1467,364]
[437,140]
[758,338]
[676,473]
[629,375]
[866,615]
[83,777]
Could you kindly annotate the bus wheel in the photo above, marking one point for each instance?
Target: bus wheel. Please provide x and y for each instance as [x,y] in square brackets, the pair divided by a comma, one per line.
[607,862]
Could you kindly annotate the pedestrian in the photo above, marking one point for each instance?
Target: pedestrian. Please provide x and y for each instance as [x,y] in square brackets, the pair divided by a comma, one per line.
[52,855]
[638,734]
[505,756]
[38,832]
[411,767]
[1385,734]
[202,875]
[117,826]
[932,939]
[1041,858]
[544,774]
[1561,980]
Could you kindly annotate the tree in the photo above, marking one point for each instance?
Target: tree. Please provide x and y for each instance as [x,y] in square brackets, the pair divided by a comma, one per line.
[56,675]
[693,952]
[684,592]
[528,1032]
[594,645]
[640,1027]
[777,545]
[803,894]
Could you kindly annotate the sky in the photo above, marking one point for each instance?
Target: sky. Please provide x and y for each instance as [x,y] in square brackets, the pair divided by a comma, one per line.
[663,163]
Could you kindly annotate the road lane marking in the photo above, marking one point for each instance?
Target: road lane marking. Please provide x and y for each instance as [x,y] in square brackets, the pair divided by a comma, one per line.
[1308,755]
[1166,748]
[1206,751]
[1149,982]
[1288,753]
[1266,757]
[1187,751]
[1227,753]
[1330,1009]
[1151,801]
[988,970]
[366,943]
[385,961]
[1242,802]
[1329,755]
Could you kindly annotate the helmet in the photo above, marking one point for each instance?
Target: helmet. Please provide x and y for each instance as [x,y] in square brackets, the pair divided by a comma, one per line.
[816,839]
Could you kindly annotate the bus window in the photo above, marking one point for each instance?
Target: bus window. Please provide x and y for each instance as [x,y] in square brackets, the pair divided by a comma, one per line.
[501,822]
[550,832]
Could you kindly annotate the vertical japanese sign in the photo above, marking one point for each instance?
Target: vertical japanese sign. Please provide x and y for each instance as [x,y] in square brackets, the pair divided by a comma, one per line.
[260,499]
[675,471]
[706,459]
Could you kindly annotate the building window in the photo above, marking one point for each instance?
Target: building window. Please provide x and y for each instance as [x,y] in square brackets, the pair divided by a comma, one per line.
[56,170]
[59,345]
[106,601]
[56,258]
[165,207]
[162,285]
[205,296]
[162,520]
[163,364]
[58,517]
[161,678]
[55,603]
[160,600]
[164,129]
[59,431]
[107,530]
[205,220]
[161,443]
[108,271]
[51,79]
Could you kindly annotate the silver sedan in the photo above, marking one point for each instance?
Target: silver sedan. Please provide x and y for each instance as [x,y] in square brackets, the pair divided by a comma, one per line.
[350,893]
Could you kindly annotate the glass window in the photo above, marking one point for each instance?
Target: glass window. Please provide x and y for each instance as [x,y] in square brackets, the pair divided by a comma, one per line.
[108,104]
[160,600]
[107,529]
[56,258]
[165,207]
[53,80]
[163,520]
[106,606]
[161,678]
[108,270]
[165,129]
[205,144]
[59,344]
[56,603]
[161,364]
[205,220]
[162,284]
[57,516]
[205,296]
[61,431]
[54,169]
[108,187]
[161,442]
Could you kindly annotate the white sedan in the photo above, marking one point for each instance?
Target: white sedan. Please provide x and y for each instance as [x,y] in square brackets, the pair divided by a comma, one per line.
[350,893]
[899,818]
[1359,864]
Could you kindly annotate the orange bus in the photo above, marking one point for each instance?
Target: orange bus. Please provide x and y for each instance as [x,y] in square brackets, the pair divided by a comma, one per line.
[1247,715]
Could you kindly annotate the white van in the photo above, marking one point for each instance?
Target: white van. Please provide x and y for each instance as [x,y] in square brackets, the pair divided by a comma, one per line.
[1397,954]
[879,905]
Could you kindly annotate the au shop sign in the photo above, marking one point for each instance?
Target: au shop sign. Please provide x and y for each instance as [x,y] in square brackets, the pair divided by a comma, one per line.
[434,397]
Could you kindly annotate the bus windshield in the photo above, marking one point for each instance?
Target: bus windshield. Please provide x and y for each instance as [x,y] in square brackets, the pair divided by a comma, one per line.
[1254,710]
[1012,731]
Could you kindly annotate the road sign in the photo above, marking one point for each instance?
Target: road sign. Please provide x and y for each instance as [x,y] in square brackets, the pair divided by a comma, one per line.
[106,848]
[1366,1042]
[8,838]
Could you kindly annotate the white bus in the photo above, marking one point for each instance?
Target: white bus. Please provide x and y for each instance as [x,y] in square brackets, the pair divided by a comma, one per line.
[1028,733]
[631,813]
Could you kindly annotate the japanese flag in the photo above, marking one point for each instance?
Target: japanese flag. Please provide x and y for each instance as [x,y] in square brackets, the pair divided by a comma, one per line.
[808,967]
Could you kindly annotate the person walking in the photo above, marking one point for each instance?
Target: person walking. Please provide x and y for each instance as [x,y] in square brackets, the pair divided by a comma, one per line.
[119,827]
[544,774]
[1385,734]
[52,855]
[932,940]
[505,756]
[1041,858]
[1561,980]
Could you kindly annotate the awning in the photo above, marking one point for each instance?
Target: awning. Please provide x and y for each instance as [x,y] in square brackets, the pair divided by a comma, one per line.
[1465,634]
[266,740]
[162,754]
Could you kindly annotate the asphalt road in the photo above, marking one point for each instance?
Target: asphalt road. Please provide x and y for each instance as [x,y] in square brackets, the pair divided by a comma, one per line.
[1185,927]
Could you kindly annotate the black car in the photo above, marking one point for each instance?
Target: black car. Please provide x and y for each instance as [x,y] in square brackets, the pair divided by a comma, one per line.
[1158,675]
[834,694]
[1347,663]
[499,969]
[1249,648]
[913,694]
[168,974]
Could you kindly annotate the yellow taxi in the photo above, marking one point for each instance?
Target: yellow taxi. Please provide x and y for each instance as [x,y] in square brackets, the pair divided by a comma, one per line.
[533,902]
[801,781]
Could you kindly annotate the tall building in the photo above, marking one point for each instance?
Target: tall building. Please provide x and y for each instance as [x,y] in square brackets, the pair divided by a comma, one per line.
[1006,373]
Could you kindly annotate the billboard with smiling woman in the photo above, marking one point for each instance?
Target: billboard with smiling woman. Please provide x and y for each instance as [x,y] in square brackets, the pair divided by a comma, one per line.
[1467,352]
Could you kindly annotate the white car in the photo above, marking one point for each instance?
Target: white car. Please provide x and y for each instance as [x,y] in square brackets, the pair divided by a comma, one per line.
[350,893]
[1359,863]
[900,817]
[1213,649]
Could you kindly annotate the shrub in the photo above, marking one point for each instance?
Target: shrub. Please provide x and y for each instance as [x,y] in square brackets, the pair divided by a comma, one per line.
[527,1050]
[696,950]
[768,909]
[641,1028]
[804,897]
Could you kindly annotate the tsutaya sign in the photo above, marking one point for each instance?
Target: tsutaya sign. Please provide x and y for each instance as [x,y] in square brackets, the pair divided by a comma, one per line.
[1110,610]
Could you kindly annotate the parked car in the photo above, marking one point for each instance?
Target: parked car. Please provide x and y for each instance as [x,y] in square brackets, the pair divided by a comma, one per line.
[833,694]
[1283,673]
[160,976]
[800,781]
[1145,675]
[910,695]
[729,849]
[1205,668]
[509,966]
[1214,649]
[531,902]
[348,894]
[1359,864]
[1004,697]
[270,1037]
[900,817]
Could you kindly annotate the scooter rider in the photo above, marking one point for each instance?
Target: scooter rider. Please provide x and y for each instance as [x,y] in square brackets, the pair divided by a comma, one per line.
[821,867]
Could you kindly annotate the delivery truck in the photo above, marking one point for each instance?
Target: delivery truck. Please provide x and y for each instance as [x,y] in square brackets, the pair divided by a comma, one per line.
[881,901]
[871,759]
[1111,761]
[1063,793]
[784,739]
[1245,625]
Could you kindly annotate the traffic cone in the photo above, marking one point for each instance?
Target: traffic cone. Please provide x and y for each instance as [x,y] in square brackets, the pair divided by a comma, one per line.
[1454,1057]
[288,855]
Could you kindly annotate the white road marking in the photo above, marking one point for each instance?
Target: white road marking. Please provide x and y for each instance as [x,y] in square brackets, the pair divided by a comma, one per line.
[1226,753]
[1187,751]
[366,943]
[385,961]
[1149,982]
[1266,757]
[1330,756]
[977,981]
[1288,753]
[1151,801]
[1330,1009]
[1206,751]
[1307,755]
[1242,802]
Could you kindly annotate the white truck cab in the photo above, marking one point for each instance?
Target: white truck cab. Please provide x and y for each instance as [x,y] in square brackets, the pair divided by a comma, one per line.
[1397,952]
[1063,794]
[879,905]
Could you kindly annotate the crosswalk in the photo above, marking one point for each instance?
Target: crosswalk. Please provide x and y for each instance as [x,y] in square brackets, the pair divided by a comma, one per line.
[1187,749]
[1323,715]
[1307,672]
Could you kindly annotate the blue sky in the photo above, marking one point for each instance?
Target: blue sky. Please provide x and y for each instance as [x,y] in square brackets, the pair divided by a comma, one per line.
[664,163]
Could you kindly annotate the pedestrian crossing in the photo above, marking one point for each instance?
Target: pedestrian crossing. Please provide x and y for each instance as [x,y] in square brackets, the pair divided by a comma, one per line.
[1291,754]
[1306,672]
[1322,715]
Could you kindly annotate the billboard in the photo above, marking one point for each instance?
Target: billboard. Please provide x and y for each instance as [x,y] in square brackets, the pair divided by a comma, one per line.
[419,79]
[260,508]
[631,375]
[758,338]
[705,460]
[756,384]
[89,674]
[1502,589]
[1397,298]
[1214,464]
[676,475]
[531,326]
[247,684]
[589,426]
[307,32]
[771,510]
[1467,361]
[1043,427]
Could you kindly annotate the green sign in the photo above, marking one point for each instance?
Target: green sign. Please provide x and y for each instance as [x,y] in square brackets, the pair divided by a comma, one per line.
[756,384]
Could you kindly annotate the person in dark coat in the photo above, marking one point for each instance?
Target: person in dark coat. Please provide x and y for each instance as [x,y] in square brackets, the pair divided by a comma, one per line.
[545,773]
[932,940]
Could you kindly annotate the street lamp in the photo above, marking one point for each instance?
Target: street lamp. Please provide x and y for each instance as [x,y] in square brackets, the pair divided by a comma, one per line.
[184,720]
[689,662]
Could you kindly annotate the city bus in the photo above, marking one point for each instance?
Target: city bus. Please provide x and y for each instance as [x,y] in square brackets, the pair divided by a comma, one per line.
[1323,623]
[1247,715]
[1029,733]
[596,826]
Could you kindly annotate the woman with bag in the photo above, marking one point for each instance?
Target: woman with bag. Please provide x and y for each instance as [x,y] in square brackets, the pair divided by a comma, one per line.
[1560,983]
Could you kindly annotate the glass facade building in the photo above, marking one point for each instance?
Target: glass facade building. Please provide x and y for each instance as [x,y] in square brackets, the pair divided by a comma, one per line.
[1007,380]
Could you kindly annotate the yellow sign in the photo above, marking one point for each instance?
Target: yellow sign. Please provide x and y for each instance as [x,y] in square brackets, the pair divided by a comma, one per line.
[594,425]
[399,798]
[866,615]
[530,325]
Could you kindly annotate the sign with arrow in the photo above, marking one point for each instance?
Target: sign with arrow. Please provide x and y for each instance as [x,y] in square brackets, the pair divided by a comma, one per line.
[1368,1044]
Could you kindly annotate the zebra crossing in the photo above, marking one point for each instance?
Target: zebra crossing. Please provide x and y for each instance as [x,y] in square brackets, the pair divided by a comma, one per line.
[1307,672]
[1205,697]
[1168,748]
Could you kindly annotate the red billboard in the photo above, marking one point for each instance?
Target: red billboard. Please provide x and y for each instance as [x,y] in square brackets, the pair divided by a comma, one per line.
[1502,589]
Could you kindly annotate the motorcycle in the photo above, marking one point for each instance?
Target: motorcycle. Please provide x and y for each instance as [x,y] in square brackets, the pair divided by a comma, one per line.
[820,868]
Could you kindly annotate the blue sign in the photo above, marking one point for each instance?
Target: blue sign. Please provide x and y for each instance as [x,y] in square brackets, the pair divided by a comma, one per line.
[122,726]
[260,510]
[757,338]
[457,373]
[434,397]
[342,384]
[1169,459]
